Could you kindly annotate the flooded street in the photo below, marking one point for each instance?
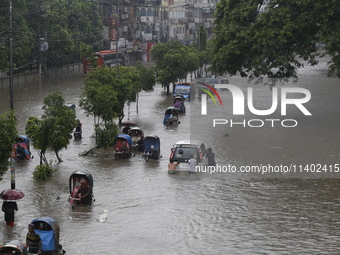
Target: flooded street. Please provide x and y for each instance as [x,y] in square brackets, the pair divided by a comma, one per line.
[153,212]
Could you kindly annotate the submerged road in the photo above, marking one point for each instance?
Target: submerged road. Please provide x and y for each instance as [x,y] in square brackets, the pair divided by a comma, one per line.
[152,212]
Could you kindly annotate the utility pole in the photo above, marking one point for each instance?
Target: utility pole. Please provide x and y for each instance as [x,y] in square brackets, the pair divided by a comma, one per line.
[11,56]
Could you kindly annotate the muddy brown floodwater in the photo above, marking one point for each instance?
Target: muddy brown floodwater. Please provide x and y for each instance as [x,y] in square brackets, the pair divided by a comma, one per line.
[152,212]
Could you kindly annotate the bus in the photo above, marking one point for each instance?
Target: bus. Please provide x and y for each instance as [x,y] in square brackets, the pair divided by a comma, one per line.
[107,58]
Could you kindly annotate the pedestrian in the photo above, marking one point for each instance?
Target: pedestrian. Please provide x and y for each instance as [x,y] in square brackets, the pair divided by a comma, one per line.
[153,153]
[126,129]
[140,144]
[33,240]
[172,166]
[211,157]
[8,208]
[192,164]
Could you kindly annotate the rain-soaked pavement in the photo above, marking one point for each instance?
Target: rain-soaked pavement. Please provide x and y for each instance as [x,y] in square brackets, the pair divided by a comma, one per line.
[152,212]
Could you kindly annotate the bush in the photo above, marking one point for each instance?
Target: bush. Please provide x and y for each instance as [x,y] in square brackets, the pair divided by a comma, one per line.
[42,172]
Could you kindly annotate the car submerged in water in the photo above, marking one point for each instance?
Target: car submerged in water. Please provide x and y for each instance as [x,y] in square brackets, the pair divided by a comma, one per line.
[183,150]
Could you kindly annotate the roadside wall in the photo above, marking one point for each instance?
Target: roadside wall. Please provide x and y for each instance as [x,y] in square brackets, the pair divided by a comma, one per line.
[51,73]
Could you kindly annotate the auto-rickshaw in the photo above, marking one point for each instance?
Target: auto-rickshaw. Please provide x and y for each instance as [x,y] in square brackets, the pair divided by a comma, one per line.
[171,116]
[136,133]
[14,246]
[22,147]
[123,147]
[152,147]
[49,231]
[75,180]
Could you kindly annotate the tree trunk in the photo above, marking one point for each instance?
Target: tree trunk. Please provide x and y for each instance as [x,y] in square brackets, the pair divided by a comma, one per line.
[59,159]
[168,88]
[89,152]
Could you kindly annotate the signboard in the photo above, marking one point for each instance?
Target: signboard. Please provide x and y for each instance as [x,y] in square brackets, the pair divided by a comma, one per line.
[148,36]
[192,25]
[129,45]
[206,9]
[180,37]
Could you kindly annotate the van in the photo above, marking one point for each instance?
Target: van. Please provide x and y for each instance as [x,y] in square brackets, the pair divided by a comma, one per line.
[183,89]
[182,150]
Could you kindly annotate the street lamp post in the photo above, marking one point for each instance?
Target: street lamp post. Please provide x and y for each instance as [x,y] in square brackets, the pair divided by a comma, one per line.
[184,5]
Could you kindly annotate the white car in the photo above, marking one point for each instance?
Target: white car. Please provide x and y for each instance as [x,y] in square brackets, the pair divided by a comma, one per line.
[182,151]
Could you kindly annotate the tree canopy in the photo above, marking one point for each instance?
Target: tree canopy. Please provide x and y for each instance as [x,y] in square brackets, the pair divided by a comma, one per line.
[64,24]
[173,61]
[8,133]
[275,42]
[105,95]
[52,131]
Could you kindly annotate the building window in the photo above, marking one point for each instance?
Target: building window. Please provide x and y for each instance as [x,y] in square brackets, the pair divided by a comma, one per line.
[150,12]
[143,12]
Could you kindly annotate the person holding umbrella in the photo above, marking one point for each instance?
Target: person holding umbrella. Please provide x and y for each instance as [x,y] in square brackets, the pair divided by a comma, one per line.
[10,196]
[8,208]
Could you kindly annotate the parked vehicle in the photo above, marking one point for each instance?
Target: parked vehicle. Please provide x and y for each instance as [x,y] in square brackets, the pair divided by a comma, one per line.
[107,58]
[183,89]
[178,103]
[127,125]
[136,133]
[15,247]
[182,150]
[224,81]
[171,116]
[22,147]
[123,147]
[75,180]
[49,231]
[152,147]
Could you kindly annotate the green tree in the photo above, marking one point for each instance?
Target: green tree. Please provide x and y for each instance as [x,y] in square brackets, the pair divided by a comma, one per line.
[147,76]
[23,42]
[105,95]
[71,23]
[275,42]
[172,62]
[64,24]
[53,130]
[8,133]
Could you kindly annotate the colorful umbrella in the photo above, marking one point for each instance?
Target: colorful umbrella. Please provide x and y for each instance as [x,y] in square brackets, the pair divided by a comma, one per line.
[11,194]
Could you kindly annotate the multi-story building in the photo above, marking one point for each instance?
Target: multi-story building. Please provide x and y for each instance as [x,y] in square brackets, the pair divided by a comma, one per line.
[134,26]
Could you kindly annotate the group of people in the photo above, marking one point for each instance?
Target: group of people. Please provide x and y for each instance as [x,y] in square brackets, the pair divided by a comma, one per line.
[33,240]
[22,152]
